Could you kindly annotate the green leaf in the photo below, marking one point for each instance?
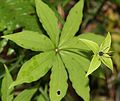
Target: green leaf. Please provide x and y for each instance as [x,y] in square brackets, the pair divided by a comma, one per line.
[31,40]
[81,59]
[49,20]
[7,94]
[41,98]
[25,95]
[3,43]
[73,22]
[15,14]
[35,68]
[92,45]
[76,44]
[93,37]
[76,75]
[95,63]
[58,83]
[105,46]
[107,61]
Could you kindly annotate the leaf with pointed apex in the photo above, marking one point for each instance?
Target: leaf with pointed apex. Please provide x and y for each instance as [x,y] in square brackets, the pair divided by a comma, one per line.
[93,37]
[35,68]
[107,61]
[73,22]
[31,40]
[92,45]
[75,43]
[76,75]
[58,83]
[25,95]
[48,19]
[95,63]
[105,46]
[7,94]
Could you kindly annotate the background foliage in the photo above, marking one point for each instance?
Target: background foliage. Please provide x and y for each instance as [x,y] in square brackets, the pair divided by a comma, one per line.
[100,16]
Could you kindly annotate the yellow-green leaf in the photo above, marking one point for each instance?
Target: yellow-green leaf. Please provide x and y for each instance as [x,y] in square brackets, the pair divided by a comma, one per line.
[105,46]
[81,59]
[7,94]
[31,40]
[90,44]
[48,19]
[76,75]
[73,22]
[25,95]
[58,83]
[34,68]
[107,61]
[95,63]
[75,43]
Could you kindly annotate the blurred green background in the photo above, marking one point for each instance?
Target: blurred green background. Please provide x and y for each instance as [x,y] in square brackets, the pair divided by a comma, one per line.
[100,17]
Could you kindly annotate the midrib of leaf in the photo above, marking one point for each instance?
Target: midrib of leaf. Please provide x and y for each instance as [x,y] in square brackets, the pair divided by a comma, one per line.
[45,60]
[69,61]
[53,31]
[73,22]
[25,95]
[28,73]
[74,52]
[48,22]
[58,80]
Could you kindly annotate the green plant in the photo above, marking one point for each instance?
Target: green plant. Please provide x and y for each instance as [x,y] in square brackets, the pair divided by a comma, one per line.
[7,94]
[100,54]
[60,51]
[16,15]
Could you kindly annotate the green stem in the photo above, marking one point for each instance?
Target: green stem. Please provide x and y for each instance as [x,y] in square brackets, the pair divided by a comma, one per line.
[44,94]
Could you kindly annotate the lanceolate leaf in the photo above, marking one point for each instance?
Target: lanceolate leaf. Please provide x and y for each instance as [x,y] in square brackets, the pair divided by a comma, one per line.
[95,63]
[105,46]
[107,61]
[92,45]
[48,19]
[7,94]
[93,37]
[34,68]
[76,75]
[73,22]
[31,40]
[75,43]
[58,83]
[81,59]
[25,95]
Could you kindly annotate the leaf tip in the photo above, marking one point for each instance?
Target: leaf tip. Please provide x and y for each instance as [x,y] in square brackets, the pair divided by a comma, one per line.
[2,36]
[12,85]
[108,33]
[5,37]
[87,74]
[5,67]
